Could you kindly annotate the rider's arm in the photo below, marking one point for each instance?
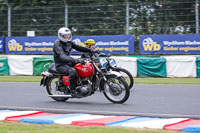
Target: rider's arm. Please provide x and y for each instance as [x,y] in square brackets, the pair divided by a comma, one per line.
[80,48]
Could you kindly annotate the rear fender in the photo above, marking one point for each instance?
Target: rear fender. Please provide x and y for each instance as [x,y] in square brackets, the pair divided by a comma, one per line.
[45,75]
[43,81]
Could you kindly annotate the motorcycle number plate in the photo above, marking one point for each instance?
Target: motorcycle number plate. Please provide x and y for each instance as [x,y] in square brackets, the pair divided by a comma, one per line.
[112,63]
[103,62]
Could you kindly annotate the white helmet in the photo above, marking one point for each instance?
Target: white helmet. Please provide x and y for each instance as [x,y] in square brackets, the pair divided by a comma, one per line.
[64,31]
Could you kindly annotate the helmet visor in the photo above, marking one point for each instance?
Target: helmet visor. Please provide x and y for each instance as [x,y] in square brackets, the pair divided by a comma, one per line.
[67,36]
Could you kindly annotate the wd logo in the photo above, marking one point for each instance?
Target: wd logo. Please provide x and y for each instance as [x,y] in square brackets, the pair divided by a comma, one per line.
[150,45]
[14,46]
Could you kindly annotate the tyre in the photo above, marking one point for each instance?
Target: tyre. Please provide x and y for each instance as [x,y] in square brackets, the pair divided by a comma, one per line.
[117,91]
[127,76]
[51,87]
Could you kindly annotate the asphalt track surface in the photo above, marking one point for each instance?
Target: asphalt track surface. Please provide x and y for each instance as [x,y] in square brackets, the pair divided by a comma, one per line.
[145,100]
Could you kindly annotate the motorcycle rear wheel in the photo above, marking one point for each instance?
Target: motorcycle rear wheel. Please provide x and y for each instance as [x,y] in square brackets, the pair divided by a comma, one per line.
[119,91]
[127,76]
[51,89]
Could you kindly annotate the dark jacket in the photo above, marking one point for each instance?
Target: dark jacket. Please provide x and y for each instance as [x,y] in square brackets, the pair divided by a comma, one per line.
[62,52]
[86,55]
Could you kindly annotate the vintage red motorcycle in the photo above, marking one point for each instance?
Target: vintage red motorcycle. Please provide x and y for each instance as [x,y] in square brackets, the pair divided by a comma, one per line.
[91,77]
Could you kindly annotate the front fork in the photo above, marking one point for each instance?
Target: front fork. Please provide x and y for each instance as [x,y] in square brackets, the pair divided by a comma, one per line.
[102,76]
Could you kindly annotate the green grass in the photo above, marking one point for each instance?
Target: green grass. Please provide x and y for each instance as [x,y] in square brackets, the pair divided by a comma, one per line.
[194,81]
[19,127]
[20,78]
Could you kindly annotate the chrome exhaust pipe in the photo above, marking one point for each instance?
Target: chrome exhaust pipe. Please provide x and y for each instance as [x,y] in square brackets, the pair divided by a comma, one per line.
[61,96]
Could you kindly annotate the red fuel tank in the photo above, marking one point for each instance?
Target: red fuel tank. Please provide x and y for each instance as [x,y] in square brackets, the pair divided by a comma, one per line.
[86,70]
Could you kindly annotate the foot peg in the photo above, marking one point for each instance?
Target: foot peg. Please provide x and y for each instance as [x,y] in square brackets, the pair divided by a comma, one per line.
[61,96]
[75,94]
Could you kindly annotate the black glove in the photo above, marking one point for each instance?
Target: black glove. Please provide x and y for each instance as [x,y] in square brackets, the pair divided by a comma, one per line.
[93,57]
[79,60]
[95,51]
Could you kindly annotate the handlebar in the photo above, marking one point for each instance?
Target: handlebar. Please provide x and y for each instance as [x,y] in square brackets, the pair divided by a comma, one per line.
[104,55]
[94,57]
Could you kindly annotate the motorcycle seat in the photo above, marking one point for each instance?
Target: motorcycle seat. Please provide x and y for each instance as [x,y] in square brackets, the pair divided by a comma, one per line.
[52,69]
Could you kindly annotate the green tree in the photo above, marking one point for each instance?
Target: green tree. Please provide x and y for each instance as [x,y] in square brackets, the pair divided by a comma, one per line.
[99,17]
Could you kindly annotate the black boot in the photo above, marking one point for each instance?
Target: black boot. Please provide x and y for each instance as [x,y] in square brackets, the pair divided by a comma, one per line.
[75,93]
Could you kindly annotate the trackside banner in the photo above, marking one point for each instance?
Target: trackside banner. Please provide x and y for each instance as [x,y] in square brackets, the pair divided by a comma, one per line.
[30,45]
[1,44]
[115,44]
[170,44]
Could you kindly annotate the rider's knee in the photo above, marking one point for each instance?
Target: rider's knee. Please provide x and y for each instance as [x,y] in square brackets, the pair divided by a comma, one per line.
[73,73]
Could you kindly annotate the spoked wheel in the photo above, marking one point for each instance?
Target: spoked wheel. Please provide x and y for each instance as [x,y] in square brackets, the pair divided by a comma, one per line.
[127,76]
[52,89]
[117,91]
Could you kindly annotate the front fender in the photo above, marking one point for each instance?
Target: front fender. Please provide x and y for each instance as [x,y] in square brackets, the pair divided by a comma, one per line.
[113,73]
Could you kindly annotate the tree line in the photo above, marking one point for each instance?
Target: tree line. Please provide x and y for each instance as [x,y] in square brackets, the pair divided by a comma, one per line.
[99,17]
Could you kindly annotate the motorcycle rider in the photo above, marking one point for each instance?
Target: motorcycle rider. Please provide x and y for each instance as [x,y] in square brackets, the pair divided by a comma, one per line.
[63,62]
[90,43]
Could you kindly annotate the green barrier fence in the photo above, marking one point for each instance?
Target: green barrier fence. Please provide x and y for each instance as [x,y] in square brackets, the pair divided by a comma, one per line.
[40,64]
[151,67]
[198,66]
[4,68]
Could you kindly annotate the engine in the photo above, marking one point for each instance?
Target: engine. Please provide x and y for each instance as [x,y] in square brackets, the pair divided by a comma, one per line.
[84,87]
[84,90]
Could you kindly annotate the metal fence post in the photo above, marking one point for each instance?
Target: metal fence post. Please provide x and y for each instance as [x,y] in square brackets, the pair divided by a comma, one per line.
[127,16]
[66,13]
[9,18]
[197,16]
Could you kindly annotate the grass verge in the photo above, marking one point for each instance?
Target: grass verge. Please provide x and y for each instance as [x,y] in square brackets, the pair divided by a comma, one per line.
[19,127]
[194,81]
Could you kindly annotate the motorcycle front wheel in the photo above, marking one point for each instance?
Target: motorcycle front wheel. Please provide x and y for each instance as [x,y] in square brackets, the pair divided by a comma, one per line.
[127,76]
[116,90]
[52,89]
